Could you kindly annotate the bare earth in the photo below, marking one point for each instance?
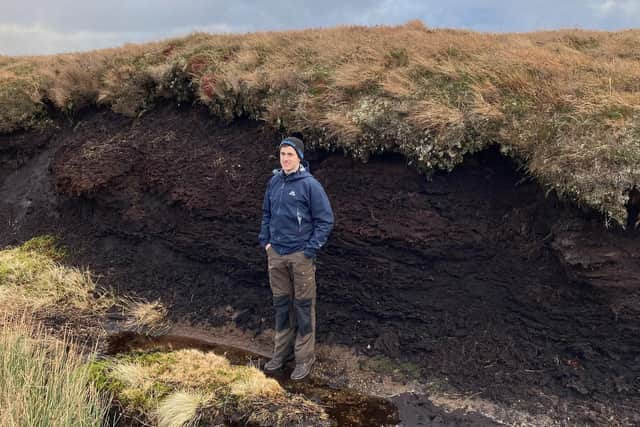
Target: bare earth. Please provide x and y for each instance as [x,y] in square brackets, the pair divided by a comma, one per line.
[495,298]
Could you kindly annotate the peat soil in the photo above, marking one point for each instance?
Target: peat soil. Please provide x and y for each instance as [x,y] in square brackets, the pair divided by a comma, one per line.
[345,407]
[474,276]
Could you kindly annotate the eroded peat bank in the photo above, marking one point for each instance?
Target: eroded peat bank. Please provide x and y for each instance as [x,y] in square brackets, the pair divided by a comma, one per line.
[484,285]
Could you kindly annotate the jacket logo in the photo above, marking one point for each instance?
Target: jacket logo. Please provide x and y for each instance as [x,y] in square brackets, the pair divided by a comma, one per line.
[292,193]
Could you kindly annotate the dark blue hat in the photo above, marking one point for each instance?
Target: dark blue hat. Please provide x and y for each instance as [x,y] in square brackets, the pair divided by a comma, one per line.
[296,143]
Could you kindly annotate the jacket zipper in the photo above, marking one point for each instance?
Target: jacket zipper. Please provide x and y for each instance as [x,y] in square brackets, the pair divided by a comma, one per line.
[281,193]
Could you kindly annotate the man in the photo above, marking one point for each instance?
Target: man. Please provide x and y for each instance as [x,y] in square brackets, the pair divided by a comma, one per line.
[296,222]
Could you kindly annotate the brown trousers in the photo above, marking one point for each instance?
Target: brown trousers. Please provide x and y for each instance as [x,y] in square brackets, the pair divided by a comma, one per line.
[293,283]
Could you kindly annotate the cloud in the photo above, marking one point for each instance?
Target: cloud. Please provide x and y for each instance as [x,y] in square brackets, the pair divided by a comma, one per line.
[38,40]
[44,26]
[627,8]
[525,15]
[605,6]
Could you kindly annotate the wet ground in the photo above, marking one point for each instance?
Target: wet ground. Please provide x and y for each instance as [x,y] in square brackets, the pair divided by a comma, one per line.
[468,276]
[346,407]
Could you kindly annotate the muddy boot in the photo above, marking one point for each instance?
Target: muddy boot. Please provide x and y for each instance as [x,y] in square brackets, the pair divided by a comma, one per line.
[276,363]
[302,369]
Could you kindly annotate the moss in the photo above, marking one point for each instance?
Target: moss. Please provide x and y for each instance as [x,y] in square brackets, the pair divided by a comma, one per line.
[146,358]
[144,400]
[46,245]
[143,381]
[393,367]
[453,90]
[99,375]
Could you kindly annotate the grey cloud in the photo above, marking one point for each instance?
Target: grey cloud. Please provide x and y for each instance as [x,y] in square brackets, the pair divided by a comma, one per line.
[504,15]
[22,40]
[160,15]
[43,26]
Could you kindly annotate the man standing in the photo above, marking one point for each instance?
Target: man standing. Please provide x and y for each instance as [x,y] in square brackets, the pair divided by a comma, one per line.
[296,222]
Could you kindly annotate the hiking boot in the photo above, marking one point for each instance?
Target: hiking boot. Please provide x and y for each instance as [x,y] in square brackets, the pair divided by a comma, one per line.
[302,369]
[276,363]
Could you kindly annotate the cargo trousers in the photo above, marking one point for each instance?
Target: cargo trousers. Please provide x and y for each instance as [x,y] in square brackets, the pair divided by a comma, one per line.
[292,278]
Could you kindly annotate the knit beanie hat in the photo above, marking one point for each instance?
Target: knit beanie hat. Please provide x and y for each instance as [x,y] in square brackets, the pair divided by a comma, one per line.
[296,143]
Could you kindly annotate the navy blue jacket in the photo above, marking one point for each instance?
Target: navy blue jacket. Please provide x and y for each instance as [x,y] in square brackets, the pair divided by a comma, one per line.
[296,214]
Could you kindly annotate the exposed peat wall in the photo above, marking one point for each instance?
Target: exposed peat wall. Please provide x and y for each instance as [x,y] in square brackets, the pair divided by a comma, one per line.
[474,275]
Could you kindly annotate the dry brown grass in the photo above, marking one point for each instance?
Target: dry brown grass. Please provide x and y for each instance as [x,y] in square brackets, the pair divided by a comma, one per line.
[144,317]
[31,279]
[182,387]
[181,409]
[563,103]
[34,280]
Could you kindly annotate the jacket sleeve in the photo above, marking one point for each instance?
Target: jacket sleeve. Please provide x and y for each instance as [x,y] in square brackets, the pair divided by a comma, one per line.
[265,234]
[322,217]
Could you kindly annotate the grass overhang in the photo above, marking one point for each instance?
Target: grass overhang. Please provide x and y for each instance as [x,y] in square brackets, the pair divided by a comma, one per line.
[563,104]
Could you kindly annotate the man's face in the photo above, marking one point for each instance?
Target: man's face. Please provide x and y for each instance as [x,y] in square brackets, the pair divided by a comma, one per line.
[289,159]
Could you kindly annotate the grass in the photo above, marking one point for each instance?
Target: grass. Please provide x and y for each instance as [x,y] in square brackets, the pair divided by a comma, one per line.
[392,367]
[144,317]
[562,103]
[33,279]
[180,409]
[189,386]
[44,381]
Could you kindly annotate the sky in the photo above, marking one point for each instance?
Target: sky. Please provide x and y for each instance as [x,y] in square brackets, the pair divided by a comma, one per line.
[30,27]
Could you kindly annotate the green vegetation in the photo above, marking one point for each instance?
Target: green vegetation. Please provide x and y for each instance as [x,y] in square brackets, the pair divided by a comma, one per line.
[392,367]
[564,104]
[44,382]
[188,387]
[32,279]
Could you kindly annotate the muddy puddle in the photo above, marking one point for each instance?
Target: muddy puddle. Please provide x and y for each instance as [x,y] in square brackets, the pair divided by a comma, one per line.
[344,406]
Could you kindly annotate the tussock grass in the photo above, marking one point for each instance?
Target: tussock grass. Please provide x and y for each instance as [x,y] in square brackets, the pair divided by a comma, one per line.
[31,278]
[181,409]
[43,380]
[183,387]
[563,103]
[147,317]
